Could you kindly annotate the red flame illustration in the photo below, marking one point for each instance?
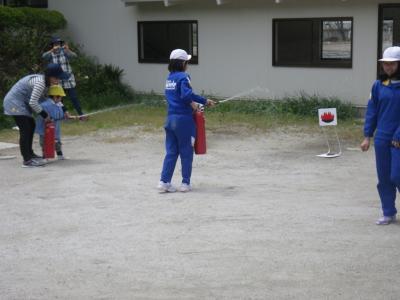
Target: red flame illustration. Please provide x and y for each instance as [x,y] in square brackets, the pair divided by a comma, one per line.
[327,117]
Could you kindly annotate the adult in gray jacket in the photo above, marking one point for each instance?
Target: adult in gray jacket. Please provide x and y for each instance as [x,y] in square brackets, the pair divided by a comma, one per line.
[23,99]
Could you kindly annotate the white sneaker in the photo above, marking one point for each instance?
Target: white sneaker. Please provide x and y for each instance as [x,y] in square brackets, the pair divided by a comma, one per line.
[166,187]
[184,188]
[61,157]
[385,220]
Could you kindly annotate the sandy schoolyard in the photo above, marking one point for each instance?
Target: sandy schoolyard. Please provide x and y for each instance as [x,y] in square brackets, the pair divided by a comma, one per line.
[267,219]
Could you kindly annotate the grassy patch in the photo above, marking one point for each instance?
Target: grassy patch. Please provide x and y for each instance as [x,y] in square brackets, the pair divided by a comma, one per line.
[349,130]
[151,117]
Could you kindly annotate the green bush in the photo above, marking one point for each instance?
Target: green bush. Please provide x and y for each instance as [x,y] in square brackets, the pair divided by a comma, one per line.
[302,105]
[10,18]
[24,33]
[5,122]
[24,36]
[99,86]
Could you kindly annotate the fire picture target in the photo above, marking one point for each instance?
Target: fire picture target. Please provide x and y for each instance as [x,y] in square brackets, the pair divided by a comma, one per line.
[327,117]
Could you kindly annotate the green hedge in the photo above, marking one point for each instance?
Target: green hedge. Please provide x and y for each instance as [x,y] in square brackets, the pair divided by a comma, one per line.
[98,86]
[24,34]
[302,105]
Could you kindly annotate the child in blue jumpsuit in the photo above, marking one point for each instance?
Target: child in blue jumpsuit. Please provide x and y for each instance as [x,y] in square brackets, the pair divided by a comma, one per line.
[383,120]
[179,126]
[55,109]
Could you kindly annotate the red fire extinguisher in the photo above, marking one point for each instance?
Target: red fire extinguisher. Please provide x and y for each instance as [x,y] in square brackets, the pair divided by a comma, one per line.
[49,140]
[200,142]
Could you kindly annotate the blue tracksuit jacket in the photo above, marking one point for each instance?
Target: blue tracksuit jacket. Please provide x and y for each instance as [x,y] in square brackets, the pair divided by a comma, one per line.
[179,126]
[383,111]
[383,120]
[179,94]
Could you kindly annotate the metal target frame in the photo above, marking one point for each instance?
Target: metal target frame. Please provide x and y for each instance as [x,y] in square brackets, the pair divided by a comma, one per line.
[330,153]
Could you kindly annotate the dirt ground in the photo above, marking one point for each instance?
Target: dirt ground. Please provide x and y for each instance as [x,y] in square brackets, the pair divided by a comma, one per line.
[267,219]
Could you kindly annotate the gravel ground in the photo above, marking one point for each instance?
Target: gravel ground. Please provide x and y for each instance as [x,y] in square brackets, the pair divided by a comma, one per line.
[267,219]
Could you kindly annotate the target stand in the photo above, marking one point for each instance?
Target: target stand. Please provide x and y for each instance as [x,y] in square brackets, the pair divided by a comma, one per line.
[330,153]
[328,118]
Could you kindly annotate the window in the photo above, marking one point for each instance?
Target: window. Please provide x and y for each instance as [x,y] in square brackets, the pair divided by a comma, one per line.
[387,34]
[26,3]
[313,42]
[389,22]
[158,39]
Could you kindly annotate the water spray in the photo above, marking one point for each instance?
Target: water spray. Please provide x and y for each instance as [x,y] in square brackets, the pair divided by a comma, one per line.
[247,93]
[261,91]
[107,110]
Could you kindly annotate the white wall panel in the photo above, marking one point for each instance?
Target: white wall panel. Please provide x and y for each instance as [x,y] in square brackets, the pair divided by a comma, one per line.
[235,44]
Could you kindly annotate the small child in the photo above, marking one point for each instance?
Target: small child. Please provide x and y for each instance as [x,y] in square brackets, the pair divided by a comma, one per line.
[55,109]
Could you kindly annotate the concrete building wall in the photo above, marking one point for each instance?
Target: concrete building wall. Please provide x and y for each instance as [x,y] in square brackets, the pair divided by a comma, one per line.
[235,44]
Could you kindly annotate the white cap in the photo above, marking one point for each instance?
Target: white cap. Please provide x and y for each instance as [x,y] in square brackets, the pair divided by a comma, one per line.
[180,54]
[391,54]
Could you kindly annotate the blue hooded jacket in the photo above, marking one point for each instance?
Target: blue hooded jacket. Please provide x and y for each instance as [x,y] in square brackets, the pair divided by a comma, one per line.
[55,112]
[179,94]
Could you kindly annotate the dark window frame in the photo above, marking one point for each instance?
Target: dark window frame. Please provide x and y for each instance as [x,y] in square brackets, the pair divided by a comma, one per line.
[380,24]
[396,33]
[316,45]
[195,58]
[44,5]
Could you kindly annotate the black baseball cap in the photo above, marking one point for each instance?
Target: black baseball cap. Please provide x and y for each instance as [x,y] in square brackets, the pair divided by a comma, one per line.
[56,39]
[55,70]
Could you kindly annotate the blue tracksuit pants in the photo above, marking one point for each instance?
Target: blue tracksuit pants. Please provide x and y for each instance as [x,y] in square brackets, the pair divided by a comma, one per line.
[180,133]
[388,169]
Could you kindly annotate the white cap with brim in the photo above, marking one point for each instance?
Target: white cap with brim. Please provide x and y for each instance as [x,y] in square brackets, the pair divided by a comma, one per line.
[180,54]
[391,54]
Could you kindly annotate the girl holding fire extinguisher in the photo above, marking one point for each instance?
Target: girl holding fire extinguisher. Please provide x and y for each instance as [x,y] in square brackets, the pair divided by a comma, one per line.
[179,127]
